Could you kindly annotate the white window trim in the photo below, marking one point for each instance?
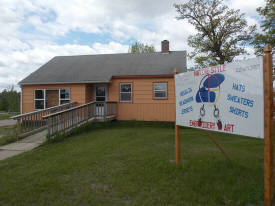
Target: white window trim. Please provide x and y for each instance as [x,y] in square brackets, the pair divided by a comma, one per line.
[161,90]
[44,98]
[65,95]
[120,92]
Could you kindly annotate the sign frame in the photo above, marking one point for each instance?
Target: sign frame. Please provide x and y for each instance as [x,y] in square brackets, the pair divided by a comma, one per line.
[268,126]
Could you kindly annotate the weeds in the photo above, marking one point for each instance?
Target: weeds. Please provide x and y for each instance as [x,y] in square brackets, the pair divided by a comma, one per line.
[9,135]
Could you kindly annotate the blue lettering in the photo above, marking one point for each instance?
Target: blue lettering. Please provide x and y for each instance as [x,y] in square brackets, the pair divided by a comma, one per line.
[185,101]
[235,86]
[240,100]
[186,91]
[238,87]
[186,110]
[238,112]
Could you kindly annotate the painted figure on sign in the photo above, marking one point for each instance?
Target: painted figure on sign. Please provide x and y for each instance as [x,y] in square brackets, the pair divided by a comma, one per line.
[208,94]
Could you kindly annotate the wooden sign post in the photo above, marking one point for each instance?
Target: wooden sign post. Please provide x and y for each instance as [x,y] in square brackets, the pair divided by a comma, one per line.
[268,126]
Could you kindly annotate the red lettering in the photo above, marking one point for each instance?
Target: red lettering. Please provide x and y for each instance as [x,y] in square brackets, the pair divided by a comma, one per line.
[219,68]
[212,125]
[201,72]
[204,125]
[225,128]
[212,70]
[228,127]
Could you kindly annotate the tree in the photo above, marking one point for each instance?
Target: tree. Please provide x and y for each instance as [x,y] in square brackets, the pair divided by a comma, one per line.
[222,33]
[3,102]
[268,28]
[10,100]
[141,48]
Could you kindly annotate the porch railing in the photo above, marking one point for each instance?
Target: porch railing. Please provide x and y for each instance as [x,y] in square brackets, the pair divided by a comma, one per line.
[93,111]
[32,122]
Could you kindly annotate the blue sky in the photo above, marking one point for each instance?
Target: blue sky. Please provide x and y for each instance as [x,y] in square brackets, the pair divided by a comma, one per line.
[33,32]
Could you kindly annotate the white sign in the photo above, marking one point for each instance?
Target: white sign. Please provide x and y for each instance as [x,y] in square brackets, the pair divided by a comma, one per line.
[226,98]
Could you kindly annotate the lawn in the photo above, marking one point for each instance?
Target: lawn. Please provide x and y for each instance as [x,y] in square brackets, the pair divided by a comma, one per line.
[9,132]
[6,116]
[135,166]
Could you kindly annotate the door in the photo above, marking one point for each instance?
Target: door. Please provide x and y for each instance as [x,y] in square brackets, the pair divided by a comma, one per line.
[100,95]
[52,97]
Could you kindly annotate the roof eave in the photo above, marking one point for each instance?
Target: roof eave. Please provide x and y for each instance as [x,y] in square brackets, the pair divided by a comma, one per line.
[143,76]
[82,82]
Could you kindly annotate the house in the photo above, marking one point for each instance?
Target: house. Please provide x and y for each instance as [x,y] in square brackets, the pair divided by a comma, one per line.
[142,84]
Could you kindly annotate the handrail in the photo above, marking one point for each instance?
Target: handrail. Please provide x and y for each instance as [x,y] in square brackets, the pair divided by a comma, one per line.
[46,116]
[44,110]
[63,120]
[32,122]
[67,110]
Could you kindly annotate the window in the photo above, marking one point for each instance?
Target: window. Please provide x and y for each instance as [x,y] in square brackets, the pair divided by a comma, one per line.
[64,96]
[44,98]
[39,99]
[126,92]
[160,90]
[100,94]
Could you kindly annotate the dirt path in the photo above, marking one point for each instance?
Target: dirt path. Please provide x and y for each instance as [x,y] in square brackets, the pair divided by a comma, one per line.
[7,122]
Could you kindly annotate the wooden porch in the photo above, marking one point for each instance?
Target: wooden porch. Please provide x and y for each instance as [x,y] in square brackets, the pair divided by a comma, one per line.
[91,112]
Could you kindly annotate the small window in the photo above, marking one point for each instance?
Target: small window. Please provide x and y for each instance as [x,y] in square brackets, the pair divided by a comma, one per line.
[39,99]
[160,90]
[126,92]
[64,96]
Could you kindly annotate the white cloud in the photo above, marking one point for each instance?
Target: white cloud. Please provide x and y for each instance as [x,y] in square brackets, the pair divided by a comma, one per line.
[245,6]
[12,44]
[110,48]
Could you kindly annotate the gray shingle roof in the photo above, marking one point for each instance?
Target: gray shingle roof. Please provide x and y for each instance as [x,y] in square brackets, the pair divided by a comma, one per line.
[101,67]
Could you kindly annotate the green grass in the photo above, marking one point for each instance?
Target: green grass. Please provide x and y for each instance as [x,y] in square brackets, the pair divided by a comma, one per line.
[6,116]
[9,134]
[135,166]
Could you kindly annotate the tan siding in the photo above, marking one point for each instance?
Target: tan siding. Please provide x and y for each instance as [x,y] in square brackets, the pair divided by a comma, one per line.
[146,112]
[78,92]
[144,92]
[89,93]
[28,93]
[92,94]
[28,101]
[144,107]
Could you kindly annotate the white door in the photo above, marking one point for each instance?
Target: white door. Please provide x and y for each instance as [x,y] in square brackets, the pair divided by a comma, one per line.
[100,96]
